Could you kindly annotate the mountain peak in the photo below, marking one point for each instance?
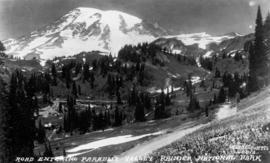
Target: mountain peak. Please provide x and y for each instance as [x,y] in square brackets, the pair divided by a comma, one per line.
[84,29]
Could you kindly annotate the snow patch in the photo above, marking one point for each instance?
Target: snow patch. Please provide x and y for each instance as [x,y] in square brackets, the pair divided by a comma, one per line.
[208,54]
[166,91]
[225,111]
[49,110]
[111,141]
[198,62]
[176,51]
[195,79]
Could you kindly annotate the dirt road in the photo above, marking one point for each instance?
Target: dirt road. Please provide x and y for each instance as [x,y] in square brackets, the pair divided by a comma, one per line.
[146,148]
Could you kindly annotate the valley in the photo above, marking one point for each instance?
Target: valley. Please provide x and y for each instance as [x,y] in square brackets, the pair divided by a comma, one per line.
[103,84]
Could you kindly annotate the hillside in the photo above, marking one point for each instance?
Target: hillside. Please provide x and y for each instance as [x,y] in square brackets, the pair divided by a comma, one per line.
[243,136]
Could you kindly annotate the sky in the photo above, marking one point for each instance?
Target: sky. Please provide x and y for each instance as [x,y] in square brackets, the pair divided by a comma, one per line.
[20,17]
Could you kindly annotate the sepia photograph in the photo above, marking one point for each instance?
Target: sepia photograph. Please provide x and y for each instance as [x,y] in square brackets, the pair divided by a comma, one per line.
[135,81]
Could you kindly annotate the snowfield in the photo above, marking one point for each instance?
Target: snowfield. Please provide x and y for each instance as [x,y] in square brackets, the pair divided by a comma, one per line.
[202,39]
[82,29]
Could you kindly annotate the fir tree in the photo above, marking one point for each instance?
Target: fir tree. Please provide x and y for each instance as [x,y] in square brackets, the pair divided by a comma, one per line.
[252,79]
[139,112]
[48,151]
[168,99]
[54,74]
[257,57]
[2,47]
[117,117]
[267,24]
[64,152]
[6,154]
[74,89]
[92,79]
[193,104]
[41,133]
[83,121]
[222,95]
[71,117]
[119,101]
[79,90]
[22,116]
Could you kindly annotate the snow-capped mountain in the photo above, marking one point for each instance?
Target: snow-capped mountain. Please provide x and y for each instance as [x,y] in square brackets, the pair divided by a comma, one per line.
[84,29]
[203,44]
[202,39]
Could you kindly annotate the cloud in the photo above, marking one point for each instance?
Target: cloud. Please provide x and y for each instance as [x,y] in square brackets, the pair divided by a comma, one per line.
[252,3]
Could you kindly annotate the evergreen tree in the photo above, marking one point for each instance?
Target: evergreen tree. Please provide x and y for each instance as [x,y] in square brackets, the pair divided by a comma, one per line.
[101,121]
[71,117]
[66,123]
[86,72]
[252,79]
[67,76]
[119,101]
[215,99]
[117,117]
[168,99]
[267,24]
[2,47]
[79,90]
[206,111]
[41,133]
[92,79]
[95,120]
[259,45]
[217,73]
[54,74]
[193,104]
[6,154]
[36,105]
[110,83]
[74,89]
[107,117]
[257,57]
[64,152]
[222,95]
[147,101]
[22,122]
[83,121]
[139,112]
[94,64]
[159,110]
[48,151]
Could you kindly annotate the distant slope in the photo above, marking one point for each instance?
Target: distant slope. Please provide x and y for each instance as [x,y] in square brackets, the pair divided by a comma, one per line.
[202,44]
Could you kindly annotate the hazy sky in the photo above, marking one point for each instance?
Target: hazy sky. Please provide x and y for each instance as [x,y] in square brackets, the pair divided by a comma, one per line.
[19,17]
